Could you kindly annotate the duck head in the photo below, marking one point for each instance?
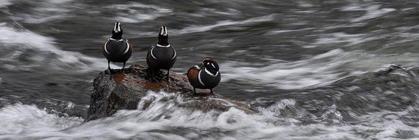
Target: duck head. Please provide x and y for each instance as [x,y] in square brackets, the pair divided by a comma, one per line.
[163,36]
[211,65]
[117,31]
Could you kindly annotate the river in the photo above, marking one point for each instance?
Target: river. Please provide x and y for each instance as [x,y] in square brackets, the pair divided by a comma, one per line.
[311,69]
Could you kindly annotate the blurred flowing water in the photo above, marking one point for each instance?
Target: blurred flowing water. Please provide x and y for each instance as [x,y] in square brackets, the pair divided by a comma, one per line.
[312,69]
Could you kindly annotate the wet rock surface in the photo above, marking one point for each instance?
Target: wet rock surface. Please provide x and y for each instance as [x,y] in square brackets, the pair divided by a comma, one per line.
[113,92]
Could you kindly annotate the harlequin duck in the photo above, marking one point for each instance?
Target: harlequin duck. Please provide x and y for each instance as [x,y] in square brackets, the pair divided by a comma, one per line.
[117,49]
[162,55]
[205,75]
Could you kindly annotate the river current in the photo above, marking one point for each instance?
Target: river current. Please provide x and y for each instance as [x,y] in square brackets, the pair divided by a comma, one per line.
[311,69]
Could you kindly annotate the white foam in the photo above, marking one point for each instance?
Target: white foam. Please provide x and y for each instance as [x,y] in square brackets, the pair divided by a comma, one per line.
[330,53]
[203,28]
[22,39]
[340,38]
[22,119]
[388,122]
[367,60]
[41,18]
[138,5]
[59,1]
[289,75]
[318,70]
[136,13]
[305,4]
[372,11]
[137,17]
[230,12]
[164,118]
[5,3]
[275,32]
[163,115]
[45,11]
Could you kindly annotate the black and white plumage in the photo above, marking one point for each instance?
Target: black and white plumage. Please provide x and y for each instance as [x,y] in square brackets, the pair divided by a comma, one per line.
[162,55]
[117,49]
[205,75]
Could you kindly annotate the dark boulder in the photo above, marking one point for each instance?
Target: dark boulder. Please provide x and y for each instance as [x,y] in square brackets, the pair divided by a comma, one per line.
[113,92]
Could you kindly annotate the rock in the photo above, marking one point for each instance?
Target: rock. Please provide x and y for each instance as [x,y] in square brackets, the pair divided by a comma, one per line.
[113,92]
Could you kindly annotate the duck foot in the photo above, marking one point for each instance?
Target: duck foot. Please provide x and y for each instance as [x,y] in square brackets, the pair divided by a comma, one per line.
[111,71]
